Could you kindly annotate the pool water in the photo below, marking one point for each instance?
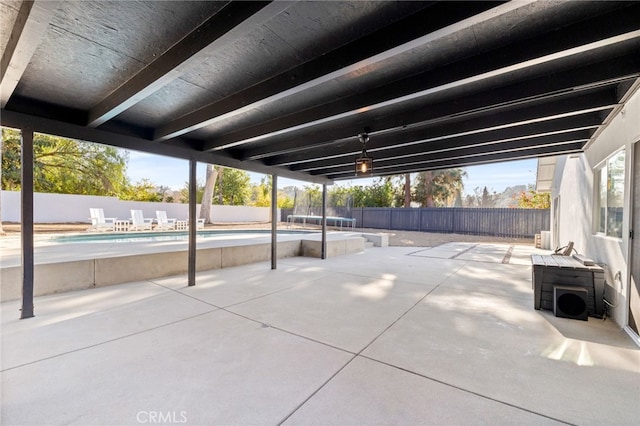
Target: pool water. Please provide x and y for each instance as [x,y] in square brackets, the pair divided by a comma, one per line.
[134,237]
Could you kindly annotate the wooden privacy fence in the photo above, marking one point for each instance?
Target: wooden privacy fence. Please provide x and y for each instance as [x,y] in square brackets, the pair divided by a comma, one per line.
[474,221]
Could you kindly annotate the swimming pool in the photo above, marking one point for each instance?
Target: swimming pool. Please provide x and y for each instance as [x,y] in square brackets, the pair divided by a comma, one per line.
[141,237]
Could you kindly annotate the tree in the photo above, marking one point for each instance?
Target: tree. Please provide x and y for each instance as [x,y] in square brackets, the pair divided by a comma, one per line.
[144,190]
[207,195]
[183,194]
[235,188]
[65,166]
[487,199]
[260,193]
[399,189]
[439,187]
[534,200]
[481,198]
[407,190]
[339,196]
[314,199]
[378,194]
[284,201]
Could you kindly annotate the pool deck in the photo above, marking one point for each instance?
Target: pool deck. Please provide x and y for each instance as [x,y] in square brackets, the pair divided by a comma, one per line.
[393,335]
[75,266]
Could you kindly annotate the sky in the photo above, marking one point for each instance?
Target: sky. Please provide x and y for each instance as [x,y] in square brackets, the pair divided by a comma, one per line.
[174,173]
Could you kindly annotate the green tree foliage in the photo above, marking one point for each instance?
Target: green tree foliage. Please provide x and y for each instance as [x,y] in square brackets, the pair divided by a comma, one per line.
[261,195]
[399,187]
[184,192]
[233,188]
[10,160]
[534,200]
[314,198]
[378,194]
[284,201]
[339,196]
[439,188]
[66,166]
[144,190]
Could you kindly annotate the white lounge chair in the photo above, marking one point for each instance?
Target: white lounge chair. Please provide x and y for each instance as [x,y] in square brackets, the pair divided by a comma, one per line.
[164,224]
[138,222]
[99,223]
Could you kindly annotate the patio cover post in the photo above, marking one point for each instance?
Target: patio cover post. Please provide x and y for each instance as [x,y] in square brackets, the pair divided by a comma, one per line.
[324,221]
[26,193]
[193,223]
[274,221]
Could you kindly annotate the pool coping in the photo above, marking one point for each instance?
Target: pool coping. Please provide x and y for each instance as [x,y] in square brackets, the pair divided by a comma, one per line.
[68,274]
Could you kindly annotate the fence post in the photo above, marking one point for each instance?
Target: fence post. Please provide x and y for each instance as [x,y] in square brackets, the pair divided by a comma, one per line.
[453,221]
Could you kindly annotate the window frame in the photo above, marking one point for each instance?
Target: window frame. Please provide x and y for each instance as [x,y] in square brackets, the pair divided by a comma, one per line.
[602,170]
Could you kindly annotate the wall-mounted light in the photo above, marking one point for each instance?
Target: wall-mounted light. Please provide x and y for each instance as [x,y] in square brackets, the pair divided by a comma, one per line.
[364,163]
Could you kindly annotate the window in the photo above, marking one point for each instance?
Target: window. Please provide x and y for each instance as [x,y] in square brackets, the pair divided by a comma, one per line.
[610,196]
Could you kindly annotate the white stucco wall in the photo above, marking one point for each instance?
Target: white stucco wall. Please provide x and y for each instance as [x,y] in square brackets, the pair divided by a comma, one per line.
[59,208]
[573,182]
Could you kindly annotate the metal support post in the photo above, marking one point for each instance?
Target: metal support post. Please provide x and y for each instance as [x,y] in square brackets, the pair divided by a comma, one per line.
[274,221]
[193,223]
[26,222]
[324,221]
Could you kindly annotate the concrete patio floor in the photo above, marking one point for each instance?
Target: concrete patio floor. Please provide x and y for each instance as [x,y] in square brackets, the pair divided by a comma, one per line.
[443,335]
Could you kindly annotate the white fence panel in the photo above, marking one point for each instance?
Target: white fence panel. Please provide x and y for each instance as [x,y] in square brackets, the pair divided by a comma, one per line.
[59,208]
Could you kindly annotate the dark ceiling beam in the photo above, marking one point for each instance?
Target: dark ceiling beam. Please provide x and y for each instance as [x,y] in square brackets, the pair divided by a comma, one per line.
[28,30]
[44,125]
[547,86]
[569,106]
[395,39]
[442,147]
[454,78]
[469,161]
[471,150]
[417,142]
[234,21]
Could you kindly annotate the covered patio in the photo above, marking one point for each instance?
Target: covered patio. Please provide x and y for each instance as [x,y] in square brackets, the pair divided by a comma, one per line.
[441,335]
[395,335]
[303,89]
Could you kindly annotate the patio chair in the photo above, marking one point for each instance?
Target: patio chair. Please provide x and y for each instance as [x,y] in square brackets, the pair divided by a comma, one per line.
[138,222]
[164,224]
[99,223]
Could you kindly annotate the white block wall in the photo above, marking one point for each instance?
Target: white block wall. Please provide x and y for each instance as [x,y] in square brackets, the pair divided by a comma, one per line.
[60,208]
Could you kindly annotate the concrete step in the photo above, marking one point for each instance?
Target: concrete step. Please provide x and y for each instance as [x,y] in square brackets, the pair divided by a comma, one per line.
[368,244]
